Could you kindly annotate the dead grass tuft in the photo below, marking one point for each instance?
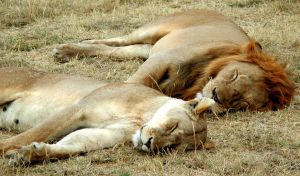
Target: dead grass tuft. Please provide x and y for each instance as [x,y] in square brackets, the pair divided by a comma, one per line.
[23,12]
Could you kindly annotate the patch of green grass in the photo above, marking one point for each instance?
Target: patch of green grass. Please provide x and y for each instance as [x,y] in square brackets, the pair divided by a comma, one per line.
[31,39]
[14,62]
[244,3]
[125,174]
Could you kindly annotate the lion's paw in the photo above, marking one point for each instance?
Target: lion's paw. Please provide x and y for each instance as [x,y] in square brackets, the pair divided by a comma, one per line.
[64,52]
[33,152]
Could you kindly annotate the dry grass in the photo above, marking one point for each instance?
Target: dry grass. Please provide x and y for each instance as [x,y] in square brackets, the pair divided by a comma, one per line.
[248,143]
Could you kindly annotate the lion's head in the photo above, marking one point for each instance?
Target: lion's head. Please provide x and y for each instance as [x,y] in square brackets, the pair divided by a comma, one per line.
[177,124]
[249,80]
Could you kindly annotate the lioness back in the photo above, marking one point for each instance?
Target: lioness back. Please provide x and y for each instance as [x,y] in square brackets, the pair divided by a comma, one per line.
[24,91]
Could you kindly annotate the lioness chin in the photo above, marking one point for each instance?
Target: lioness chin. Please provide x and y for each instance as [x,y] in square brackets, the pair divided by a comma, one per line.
[90,115]
[197,51]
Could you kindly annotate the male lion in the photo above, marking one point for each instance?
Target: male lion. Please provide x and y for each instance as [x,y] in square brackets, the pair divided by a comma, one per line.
[92,115]
[197,51]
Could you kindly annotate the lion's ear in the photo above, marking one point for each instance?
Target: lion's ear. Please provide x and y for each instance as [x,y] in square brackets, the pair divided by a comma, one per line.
[200,105]
[252,47]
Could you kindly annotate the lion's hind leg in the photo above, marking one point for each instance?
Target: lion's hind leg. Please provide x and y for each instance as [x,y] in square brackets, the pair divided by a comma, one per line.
[77,142]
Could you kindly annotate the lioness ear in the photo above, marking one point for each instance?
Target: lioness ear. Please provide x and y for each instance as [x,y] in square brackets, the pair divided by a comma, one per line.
[199,106]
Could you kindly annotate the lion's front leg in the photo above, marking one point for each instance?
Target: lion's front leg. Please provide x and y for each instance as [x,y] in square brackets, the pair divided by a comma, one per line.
[64,52]
[80,141]
[154,72]
[116,41]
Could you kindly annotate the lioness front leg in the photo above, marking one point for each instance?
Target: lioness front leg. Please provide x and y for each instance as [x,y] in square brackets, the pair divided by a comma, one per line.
[64,52]
[59,125]
[80,141]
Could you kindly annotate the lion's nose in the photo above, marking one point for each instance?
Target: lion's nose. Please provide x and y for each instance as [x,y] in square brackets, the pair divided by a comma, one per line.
[215,96]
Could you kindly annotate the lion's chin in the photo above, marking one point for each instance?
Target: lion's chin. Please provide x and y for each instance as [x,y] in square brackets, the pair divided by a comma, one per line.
[217,109]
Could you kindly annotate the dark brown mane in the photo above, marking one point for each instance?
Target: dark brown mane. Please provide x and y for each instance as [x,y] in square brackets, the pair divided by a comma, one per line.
[281,89]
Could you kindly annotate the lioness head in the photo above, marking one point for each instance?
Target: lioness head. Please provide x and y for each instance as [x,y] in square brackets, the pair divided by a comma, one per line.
[251,80]
[177,124]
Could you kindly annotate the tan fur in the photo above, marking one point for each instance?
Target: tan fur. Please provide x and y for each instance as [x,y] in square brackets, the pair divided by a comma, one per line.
[91,115]
[185,51]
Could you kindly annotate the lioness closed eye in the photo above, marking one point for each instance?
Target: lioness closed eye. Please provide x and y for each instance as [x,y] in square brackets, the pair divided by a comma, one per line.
[197,51]
[91,115]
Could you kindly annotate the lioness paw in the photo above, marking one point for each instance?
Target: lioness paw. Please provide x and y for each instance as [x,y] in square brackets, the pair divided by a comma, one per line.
[33,152]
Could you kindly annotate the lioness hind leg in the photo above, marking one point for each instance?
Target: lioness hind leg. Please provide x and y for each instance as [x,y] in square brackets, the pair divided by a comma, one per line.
[64,52]
[80,141]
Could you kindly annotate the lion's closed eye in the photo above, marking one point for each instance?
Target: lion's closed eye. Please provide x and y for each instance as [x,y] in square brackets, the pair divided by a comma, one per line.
[235,76]
[171,128]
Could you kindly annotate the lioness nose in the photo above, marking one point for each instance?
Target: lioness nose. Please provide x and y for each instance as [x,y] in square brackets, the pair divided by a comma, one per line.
[148,143]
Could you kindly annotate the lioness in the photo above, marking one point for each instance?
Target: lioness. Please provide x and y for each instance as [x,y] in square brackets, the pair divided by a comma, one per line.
[197,51]
[92,115]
